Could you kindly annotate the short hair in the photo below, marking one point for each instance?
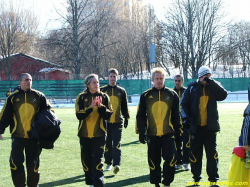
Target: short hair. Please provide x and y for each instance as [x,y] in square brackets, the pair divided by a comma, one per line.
[158,70]
[113,70]
[24,74]
[89,78]
[182,78]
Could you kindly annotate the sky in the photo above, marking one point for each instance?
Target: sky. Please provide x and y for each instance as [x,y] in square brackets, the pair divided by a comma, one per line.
[45,9]
[237,9]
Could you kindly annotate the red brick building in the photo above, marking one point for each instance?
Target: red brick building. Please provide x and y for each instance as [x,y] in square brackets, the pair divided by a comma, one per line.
[53,74]
[21,63]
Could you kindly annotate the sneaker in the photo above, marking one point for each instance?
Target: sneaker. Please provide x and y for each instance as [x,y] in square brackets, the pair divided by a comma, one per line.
[116,169]
[108,167]
[166,186]
[91,185]
[186,167]
[157,185]
[178,166]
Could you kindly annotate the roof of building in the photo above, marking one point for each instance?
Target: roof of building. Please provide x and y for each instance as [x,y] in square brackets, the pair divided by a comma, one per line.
[47,70]
[33,58]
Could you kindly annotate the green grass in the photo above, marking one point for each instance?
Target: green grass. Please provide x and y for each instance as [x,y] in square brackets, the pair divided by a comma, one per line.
[62,166]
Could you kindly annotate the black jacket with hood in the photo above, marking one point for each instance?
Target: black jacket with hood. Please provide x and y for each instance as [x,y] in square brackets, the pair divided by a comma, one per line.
[190,104]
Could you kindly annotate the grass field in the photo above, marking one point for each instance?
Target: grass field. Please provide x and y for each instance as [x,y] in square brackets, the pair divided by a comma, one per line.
[62,166]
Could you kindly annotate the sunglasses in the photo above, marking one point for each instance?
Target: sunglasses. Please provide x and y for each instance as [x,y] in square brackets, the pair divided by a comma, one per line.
[177,80]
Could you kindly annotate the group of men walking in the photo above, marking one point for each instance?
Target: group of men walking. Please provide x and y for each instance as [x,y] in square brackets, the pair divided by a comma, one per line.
[175,124]
[159,124]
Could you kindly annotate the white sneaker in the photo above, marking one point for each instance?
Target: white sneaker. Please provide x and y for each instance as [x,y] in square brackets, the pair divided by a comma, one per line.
[178,166]
[108,168]
[91,185]
[186,167]
[116,169]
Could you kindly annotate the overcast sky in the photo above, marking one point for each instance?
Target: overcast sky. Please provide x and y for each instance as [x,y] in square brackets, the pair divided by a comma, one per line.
[237,9]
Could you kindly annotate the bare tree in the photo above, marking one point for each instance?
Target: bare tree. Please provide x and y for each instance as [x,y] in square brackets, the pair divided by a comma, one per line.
[18,28]
[233,51]
[80,44]
[191,31]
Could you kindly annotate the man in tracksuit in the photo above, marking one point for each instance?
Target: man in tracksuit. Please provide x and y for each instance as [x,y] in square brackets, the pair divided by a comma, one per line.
[19,112]
[93,109]
[157,121]
[182,140]
[119,101]
[200,115]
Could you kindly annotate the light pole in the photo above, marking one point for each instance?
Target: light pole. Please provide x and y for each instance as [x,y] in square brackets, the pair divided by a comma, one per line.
[151,31]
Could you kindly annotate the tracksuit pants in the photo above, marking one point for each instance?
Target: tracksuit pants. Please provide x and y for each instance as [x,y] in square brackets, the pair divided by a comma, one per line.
[32,152]
[206,138]
[113,150]
[92,151]
[183,145]
[161,146]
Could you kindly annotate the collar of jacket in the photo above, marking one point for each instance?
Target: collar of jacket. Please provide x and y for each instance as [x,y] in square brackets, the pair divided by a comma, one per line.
[22,91]
[112,86]
[154,88]
[179,89]
[94,94]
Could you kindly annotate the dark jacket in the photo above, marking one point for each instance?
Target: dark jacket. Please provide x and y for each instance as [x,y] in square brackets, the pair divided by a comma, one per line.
[180,91]
[190,104]
[158,112]
[245,129]
[119,101]
[22,105]
[92,121]
[46,128]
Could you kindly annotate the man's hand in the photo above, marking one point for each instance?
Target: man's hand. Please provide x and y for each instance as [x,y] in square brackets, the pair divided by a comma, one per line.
[1,137]
[207,79]
[142,138]
[125,123]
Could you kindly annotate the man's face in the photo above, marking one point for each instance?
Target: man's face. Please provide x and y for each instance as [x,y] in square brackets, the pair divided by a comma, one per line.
[158,80]
[93,85]
[178,82]
[201,79]
[112,78]
[26,83]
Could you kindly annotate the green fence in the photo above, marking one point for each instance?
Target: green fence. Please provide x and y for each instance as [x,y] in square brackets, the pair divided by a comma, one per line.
[73,87]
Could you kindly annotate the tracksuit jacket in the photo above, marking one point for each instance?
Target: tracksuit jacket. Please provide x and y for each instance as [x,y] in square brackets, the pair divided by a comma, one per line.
[119,101]
[158,112]
[92,121]
[19,111]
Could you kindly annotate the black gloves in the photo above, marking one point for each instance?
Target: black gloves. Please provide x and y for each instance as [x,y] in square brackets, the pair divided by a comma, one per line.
[207,79]
[125,123]
[142,138]
[186,124]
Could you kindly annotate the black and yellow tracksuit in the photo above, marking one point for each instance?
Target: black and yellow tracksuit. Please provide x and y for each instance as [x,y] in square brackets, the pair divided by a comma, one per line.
[19,112]
[158,117]
[92,134]
[119,101]
[182,140]
[199,108]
